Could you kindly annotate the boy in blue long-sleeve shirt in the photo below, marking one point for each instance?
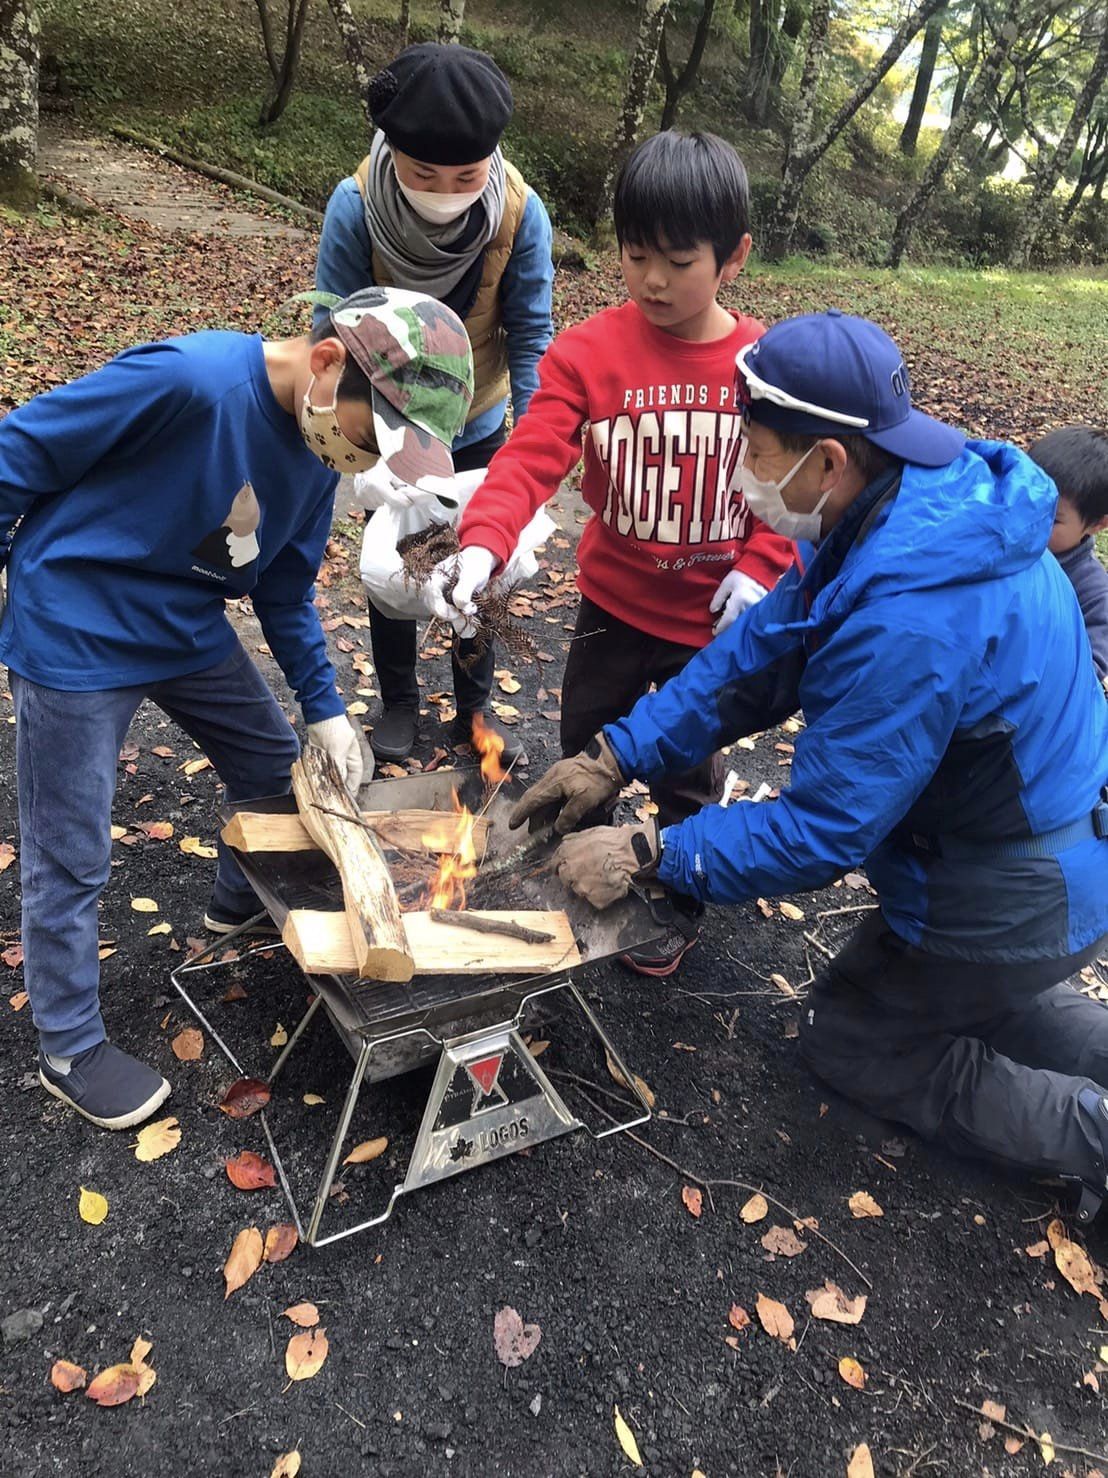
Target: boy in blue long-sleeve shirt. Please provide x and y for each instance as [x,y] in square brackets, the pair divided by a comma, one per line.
[143,497]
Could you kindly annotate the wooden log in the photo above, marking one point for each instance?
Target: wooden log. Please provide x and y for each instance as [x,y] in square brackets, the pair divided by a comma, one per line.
[376,930]
[321,945]
[476,923]
[407,831]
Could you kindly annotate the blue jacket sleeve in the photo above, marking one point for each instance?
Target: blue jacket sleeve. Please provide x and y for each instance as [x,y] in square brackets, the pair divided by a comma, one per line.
[883,697]
[344,262]
[525,302]
[283,600]
[47,445]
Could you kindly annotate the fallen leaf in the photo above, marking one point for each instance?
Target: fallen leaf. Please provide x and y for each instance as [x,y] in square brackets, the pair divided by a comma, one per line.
[164,752]
[782,985]
[305,1314]
[355,710]
[65,1376]
[1012,1445]
[1046,1447]
[861,1464]
[287,1465]
[194,847]
[7,855]
[1038,1249]
[509,684]
[244,1260]
[783,1242]
[118,832]
[693,1199]
[19,1000]
[114,1386]
[244,1098]
[250,1172]
[144,905]
[105,952]
[368,1150]
[756,1209]
[790,911]
[279,1037]
[775,1318]
[513,1340]
[147,1375]
[92,1207]
[737,1317]
[156,1140]
[830,1302]
[13,956]
[626,1439]
[764,908]
[280,1242]
[312,1099]
[852,1372]
[993,1411]
[305,1354]
[188,1045]
[157,831]
[1091,1379]
[1073,1264]
[162,928]
[236,991]
[537,1049]
[862,1204]
[640,1083]
[1056,1233]
[193,767]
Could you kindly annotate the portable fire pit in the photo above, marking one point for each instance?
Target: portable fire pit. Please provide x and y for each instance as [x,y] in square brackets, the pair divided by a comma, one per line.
[469,991]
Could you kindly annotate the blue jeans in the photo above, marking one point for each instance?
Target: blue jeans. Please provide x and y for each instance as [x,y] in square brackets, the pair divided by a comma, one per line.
[67,752]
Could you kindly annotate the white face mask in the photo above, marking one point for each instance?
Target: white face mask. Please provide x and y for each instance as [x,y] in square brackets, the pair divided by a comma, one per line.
[765,501]
[319,426]
[438,209]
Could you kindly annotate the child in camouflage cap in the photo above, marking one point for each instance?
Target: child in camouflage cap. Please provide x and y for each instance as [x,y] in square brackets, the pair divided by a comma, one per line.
[177,477]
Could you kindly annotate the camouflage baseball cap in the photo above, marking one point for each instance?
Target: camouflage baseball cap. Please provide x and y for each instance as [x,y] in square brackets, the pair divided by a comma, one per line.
[416,354]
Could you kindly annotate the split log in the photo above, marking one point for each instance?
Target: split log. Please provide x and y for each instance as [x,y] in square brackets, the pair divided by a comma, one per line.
[320,943]
[406,831]
[376,929]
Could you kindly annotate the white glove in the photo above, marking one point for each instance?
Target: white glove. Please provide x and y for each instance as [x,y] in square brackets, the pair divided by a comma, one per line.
[734,594]
[338,737]
[471,569]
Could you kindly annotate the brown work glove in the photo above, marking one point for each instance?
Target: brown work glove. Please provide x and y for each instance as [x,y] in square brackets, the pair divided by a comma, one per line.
[600,864]
[572,787]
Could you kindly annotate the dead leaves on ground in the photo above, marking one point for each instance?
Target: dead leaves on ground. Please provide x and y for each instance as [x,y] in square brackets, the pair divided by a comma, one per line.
[693,1199]
[188,1045]
[244,1098]
[156,1140]
[280,1242]
[305,1354]
[756,1209]
[783,1242]
[66,1377]
[244,1260]
[287,1465]
[830,1302]
[303,1315]
[776,1320]
[368,1150]
[861,1463]
[626,1439]
[513,1340]
[250,1172]
[862,1205]
[617,1077]
[114,1386]
[852,1373]
[92,1207]
[1074,1263]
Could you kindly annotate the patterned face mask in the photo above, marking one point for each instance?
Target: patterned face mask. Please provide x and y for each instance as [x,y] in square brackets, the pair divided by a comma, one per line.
[319,426]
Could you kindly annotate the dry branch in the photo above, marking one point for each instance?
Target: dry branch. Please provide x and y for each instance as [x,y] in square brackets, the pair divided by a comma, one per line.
[462,919]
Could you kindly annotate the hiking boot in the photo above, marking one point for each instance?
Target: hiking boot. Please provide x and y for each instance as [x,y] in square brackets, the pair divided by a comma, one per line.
[461,732]
[1093,1193]
[105,1085]
[394,733]
[662,956]
[220,920]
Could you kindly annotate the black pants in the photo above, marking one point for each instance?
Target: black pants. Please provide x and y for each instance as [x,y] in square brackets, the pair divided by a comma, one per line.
[988,1059]
[610,666]
[395,643]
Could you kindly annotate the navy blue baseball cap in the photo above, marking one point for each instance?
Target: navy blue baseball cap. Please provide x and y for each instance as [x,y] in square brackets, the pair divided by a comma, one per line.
[830,374]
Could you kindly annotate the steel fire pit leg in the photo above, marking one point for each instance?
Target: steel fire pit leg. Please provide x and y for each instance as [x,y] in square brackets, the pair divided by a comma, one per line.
[206,960]
[628,1076]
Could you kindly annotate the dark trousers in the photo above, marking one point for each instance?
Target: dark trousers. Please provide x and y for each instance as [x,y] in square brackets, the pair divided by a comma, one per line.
[988,1059]
[610,666]
[395,643]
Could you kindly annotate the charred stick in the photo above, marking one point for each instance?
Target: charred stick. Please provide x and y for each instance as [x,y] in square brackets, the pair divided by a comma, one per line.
[479,925]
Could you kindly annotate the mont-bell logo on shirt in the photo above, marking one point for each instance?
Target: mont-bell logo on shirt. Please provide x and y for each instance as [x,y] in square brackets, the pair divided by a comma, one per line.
[234,544]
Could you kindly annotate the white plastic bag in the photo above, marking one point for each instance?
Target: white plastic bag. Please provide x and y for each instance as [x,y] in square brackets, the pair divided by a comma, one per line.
[408,511]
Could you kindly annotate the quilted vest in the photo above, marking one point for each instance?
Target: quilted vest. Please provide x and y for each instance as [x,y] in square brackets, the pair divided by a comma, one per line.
[483,322]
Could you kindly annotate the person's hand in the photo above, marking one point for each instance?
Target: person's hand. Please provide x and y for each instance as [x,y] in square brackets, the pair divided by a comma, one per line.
[338,737]
[464,574]
[734,594]
[574,786]
[600,864]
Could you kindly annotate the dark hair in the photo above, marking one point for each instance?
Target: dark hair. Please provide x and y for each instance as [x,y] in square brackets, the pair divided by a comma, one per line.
[1076,457]
[870,459]
[353,384]
[678,190]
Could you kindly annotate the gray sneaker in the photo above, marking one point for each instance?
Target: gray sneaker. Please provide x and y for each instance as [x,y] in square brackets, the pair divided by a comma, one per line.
[106,1085]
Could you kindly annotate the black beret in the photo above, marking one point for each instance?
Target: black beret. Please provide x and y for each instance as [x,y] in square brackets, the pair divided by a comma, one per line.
[441,104]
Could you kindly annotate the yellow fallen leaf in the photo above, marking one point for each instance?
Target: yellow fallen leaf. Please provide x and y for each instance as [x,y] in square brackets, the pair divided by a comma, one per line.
[244,1259]
[861,1464]
[355,710]
[157,831]
[790,911]
[117,832]
[368,1150]
[304,1315]
[162,928]
[640,1083]
[144,905]
[745,742]
[193,767]
[311,1099]
[19,1000]
[279,1037]
[305,1354]
[194,847]
[287,1465]
[156,1140]
[756,1209]
[1074,1265]
[139,1351]
[1046,1447]
[775,1318]
[92,1207]
[852,1372]
[1056,1233]
[1102,1354]
[537,1049]
[862,1204]
[510,684]
[105,952]
[626,1439]
[830,1302]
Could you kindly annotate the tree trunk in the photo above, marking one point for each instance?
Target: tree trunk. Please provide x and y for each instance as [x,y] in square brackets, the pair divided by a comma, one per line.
[959,126]
[284,74]
[354,50]
[932,36]
[451,15]
[678,84]
[639,77]
[19,42]
[803,152]
[1094,165]
[758,81]
[1049,170]
[405,22]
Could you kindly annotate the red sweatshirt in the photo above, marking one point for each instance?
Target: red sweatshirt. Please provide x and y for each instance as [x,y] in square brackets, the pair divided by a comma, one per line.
[662,425]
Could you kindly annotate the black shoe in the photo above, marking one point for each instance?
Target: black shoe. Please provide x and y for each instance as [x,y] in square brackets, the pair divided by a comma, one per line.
[106,1085]
[1093,1193]
[661,956]
[394,733]
[514,754]
[220,920]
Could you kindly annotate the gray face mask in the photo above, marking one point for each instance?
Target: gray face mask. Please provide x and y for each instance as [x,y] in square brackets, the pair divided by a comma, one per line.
[764,500]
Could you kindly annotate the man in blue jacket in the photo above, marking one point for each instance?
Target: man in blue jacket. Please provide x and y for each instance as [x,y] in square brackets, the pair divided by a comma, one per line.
[177,477]
[956,744]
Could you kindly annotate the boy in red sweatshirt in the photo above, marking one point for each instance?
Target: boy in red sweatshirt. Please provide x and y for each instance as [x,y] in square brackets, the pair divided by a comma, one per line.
[670,557]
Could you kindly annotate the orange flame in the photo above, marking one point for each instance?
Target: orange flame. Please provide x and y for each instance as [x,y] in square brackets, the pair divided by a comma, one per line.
[455,869]
[490,746]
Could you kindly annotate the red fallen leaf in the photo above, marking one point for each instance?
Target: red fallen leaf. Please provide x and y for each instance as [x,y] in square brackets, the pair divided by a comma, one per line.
[114,1386]
[65,1376]
[157,831]
[693,1199]
[236,991]
[280,1242]
[738,1318]
[250,1172]
[244,1097]
[13,956]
